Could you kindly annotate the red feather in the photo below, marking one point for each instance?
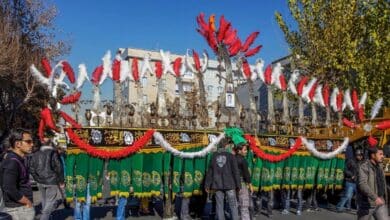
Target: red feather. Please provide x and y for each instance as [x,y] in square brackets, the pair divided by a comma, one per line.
[196,60]
[212,41]
[202,23]
[312,91]
[300,85]
[134,69]
[46,66]
[202,32]
[348,123]
[268,75]
[116,68]
[339,101]
[372,141]
[41,129]
[383,125]
[48,119]
[360,113]
[176,66]
[235,48]
[253,51]
[67,68]
[70,120]
[249,41]
[230,36]
[159,69]
[325,94]
[283,82]
[97,74]
[72,98]
[223,28]
[247,69]
[355,100]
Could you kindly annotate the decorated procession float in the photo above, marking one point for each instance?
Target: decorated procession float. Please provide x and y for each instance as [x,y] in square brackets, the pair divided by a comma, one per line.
[153,150]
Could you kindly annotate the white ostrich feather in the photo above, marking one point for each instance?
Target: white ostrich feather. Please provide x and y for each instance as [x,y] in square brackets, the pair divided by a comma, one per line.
[376,107]
[83,75]
[293,79]
[38,76]
[253,74]
[125,71]
[107,71]
[166,60]
[307,88]
[333,99]
[363,99]
[183,68]
[318,98]
[146,67]
[205,62]
[348,100]
[259,69]
[187,62]
[276,71]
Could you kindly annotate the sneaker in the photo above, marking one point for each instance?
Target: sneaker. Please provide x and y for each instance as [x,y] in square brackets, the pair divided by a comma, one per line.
[299,212]
[285,212]
[309,210]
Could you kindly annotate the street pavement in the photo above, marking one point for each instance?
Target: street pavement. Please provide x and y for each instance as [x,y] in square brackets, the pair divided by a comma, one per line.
[108,213]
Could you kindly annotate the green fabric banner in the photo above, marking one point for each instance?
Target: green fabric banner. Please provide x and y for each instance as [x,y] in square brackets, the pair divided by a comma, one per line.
[81,175]
[332,173]
[321,179]
[94,178]
[256,173]
[288,164]
[295,171]
[156,174]
[279,166]
[166,172]
[114,168]
[267,176]
[302,171]
[188,177]
[249,158]
[147,175]
[136,173]
[177,170]
[311,171]
[69,172]
[199,174]
[339,176]
[125,177]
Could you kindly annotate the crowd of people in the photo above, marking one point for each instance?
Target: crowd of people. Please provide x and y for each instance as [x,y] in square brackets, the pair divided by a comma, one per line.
[227,180]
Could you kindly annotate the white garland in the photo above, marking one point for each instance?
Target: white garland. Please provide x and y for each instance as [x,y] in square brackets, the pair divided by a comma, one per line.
[325,156]
[164,144]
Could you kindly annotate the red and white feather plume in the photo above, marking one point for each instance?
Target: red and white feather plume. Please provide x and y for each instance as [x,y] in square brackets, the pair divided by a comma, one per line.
[246,69]
[177,66]
[249,41]
[333,99]
[318,98]
[348,100]
[268,75]
[159,69]
[72,98]
[97,75]
[196,60]
[134,69]
[46,66]
[67,68]
[348,123]
[325,95]
[116,69]
[292,81]
[383,125]
[259,66]
[300,85]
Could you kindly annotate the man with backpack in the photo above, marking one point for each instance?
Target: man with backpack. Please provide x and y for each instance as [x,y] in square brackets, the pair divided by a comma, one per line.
[47,171]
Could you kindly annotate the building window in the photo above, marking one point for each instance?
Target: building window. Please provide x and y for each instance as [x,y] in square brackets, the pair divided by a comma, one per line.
[220,89]
[210,88]
[145,99]
[144,81]
[188,75]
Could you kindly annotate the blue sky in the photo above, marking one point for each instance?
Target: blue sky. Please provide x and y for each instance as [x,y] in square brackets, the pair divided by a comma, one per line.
[93,27]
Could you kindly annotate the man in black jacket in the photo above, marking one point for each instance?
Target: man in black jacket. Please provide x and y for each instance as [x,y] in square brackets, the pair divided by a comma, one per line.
[14,177]
[223,177]
[350,176]
[47,170]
